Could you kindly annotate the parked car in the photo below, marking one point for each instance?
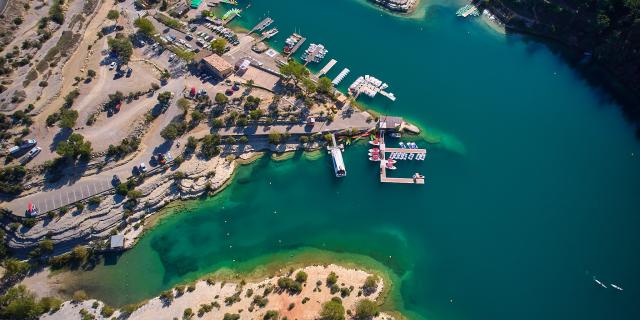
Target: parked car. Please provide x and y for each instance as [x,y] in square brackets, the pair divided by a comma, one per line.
[30,155]
[112,65]
[115,180]
[161,159]
[142,167]
[129,71]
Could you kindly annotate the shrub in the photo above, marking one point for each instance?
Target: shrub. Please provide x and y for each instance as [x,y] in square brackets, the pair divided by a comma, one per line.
[366,309]
[370,285]
[301,276]
[79,296]
[107,311]
[332,278]
[271,315]
[332,310]
[231,316]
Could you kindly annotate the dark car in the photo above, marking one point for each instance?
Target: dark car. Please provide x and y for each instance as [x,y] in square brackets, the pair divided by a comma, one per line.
[129,71]
[115,180]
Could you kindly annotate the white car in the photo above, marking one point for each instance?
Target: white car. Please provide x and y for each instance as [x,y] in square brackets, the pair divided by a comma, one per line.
[112,65]
[142,167]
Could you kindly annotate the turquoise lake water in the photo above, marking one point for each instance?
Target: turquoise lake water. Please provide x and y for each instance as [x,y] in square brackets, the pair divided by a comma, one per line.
[531,191]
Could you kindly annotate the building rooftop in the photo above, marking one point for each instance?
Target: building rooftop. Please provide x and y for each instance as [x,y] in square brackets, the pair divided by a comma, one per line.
[217,62]
[117,241]
[389,122]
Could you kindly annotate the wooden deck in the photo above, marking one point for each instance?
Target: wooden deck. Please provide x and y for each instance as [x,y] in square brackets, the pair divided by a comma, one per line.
[385,179]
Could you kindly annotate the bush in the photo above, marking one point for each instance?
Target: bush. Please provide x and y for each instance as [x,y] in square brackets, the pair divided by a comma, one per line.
[332,279]
[271,315]
[187,314]
[370,285]
[275,137]
[79,296]
[231,316]
[332,310]
[366,309]
[301,276]
[107,311]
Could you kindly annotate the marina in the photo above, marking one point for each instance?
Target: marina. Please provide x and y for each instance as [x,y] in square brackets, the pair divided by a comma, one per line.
[405,152]
[340,76]
[327,67]
[370,86]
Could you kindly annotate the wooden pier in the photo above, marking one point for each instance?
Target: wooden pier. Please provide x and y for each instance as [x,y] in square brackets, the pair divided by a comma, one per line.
[417,179]
[297,46]
[327,67]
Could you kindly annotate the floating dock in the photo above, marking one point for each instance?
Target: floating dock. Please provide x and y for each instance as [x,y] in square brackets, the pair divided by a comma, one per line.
[340,76]
[327,67]
[416,179]
[370,86]
[262,25]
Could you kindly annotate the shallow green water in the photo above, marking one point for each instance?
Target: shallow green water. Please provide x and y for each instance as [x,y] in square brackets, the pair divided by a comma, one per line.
[532,191]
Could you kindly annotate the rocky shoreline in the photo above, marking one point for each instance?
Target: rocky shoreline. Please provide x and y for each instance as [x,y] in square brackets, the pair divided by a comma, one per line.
[193,178]
[402,6]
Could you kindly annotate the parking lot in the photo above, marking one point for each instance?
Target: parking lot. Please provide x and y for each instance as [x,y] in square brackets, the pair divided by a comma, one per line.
[53,200]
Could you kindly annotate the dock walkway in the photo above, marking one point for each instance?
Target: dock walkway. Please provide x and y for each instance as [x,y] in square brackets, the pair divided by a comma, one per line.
[297,46]
[262,25]
[327,67]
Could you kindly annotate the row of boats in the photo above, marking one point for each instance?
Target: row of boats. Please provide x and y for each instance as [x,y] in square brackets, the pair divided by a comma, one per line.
[374,155]
[291,42]
[315,53]
[407,156]
[370,86]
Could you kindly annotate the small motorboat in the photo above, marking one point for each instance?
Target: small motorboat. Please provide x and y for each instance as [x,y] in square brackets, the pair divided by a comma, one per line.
[405,156]
[418,176]
[391,161]
[391,167]
[402,145]
[616,287]
[421,156]
[374,158]
[411,155]
[374,150]
[374,142]
[599,282]
[396,135]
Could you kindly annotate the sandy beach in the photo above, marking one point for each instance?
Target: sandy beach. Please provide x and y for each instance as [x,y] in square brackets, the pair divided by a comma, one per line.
[304,305]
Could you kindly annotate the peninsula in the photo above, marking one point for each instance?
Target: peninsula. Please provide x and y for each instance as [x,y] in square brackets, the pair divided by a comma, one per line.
[404,6]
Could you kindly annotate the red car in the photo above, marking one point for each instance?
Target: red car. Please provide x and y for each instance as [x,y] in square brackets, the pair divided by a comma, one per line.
[193,91]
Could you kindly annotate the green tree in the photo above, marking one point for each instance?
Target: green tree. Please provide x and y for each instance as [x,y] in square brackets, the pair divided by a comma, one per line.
[68,118]
[301,276]
[275,137]
[18,303]
[325,85]
[113,15]
[221,98]
[370,285]
[46,246]
[210,145]
[122,46]
[15,268]
[271,315]
[366,309]
[75,147]
[295,70]
[145,26]
[91,73]
[332,310]
[218,46]
[332,279]
[164,97]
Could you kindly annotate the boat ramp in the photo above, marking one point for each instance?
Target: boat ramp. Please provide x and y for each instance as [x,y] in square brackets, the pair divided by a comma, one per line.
[327,67]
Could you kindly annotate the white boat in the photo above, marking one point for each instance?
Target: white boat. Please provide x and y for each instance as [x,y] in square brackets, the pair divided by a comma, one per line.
[391,167]
[599,282]
[404,156]
[411,155]
[396,135]
[391,161]
[374,158]
[402,145]
[616,287]
[421,156]
[375,142]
